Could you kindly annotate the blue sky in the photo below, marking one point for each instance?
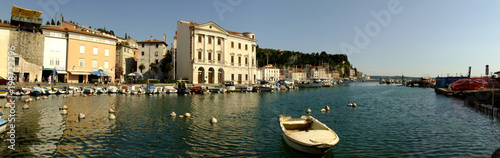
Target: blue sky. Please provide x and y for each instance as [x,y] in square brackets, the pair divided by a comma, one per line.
[421,38]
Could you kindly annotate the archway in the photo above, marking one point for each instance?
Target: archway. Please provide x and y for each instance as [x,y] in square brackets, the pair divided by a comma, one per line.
[211,75]
[201,75]
[220,77]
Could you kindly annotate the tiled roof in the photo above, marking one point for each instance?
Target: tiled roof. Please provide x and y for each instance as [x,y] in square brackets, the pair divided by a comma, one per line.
[88,33]
[53,28]
[149,41]
[6,25]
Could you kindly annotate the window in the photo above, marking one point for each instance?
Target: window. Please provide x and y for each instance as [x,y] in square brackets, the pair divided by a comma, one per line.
[232,59]
[252,62]
[239,60]
[199,55]
[199,38]
[16,60]
[142,53]
[143,45]
[209,56]
[218,41]
[246,77]
[239,45]
[82,37]
[106,52]
[232,44]
[51,61]
[156,53]
[94,63]
[218,57]
[246,46]
[57,61]
[106,64]
[253,48]
[253,36]
[209,40]
[81,62]
[156,61]
[246,60]
[95,51]
[156,45]
[82,49]
[232,76]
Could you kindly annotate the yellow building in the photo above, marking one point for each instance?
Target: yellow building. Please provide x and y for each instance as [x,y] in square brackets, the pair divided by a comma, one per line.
[89,52]
[4,48]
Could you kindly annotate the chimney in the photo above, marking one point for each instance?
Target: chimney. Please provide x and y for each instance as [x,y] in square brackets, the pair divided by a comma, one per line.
[164,38]
[151,38]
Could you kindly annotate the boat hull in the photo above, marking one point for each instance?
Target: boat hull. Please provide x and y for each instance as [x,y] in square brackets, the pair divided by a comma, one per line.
[319,150]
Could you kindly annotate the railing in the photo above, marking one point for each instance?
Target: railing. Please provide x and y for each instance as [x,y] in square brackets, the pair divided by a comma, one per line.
[27,19]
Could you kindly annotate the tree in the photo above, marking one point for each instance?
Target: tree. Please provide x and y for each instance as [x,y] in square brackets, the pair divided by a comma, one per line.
[5,22]
[47,23]
[142,67]
[153,67]
[58,23]
[126,36]
[118,70]
[111,32]
[52,22]
[169,67]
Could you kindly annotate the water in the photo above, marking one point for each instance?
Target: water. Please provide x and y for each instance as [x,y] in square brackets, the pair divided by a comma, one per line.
[389,121]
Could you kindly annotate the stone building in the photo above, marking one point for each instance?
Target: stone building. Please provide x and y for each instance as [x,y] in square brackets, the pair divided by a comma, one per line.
[151,51]
[209,54]
[126,56]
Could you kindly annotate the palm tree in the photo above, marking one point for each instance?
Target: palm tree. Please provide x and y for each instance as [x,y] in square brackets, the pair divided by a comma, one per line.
[142,67]
[153,67]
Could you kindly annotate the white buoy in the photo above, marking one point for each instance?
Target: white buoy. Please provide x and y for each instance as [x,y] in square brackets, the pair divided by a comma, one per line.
[173,114]
[81,116]
[45,97]
[111,110]
[6,105]
[187,114]
[25,106]
[27,100]
[64,107]
[112,116]
[308,110]
[323,110]
[64,112]
[65,96]
[31,99]
[181,116]
[327,108]
[213,120]
[350,104]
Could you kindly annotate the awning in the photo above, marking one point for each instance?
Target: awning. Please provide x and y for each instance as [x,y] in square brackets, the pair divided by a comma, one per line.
[79,73]
[61,72]
[98,73]
[135,74]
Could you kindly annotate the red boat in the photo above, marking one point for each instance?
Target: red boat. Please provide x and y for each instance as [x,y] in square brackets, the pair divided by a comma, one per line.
[469,84]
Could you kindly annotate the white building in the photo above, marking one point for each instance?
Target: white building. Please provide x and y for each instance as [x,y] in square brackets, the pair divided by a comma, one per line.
[297,74]
[318,72]
[207,53]
[270,73]
[55,52]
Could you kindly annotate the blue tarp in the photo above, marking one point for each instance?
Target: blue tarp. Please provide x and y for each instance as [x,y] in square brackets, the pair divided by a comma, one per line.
[98,73]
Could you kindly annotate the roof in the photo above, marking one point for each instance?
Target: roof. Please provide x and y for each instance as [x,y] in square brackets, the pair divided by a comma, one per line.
[191,23]
[25,12]
[153,41]
[6,25]
[53,28]
[75,31]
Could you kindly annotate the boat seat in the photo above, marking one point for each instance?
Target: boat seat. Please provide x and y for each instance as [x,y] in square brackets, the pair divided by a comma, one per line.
[295,124]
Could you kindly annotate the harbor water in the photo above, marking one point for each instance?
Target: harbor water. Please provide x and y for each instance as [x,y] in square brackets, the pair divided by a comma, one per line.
[390,121]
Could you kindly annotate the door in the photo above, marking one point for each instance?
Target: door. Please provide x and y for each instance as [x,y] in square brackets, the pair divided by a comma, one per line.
[239,78]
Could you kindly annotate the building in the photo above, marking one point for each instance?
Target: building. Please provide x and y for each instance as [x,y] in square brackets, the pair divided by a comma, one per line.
[209,54]
[270,73]
[333,75]
[126,56]
[151,51]
[297,74]
[89,51]
[317,72]
[5,30]
[54,53]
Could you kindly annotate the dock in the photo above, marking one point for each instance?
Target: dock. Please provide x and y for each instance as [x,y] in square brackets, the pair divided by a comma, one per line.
[483,100]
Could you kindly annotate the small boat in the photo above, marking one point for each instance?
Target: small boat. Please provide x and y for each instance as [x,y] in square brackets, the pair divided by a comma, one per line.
[88,90]
[151,89]
[99,90]
[112,89]
[311,84]
[136,90]
[230,86]
[36,91]
[4,93]
[48,90]
[216,89]
[3,124]
[159,90]
[182,88]
[169,89]
[72,89]
[124,90]
[243,88]
[62,90]
[307,134]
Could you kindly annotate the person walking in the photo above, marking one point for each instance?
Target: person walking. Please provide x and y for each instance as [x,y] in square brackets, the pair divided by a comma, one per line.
[36,78]
[49,79]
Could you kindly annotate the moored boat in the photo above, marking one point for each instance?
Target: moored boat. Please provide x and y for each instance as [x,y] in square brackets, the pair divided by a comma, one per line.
[311,84]
[3,124]
[229,86]
[307,134]
[4,93]
[87,90]
[124,90]
[112,89]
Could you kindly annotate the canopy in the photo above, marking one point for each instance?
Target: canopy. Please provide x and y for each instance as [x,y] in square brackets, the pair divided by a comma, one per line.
[61,72]
[98,73]
[134,74]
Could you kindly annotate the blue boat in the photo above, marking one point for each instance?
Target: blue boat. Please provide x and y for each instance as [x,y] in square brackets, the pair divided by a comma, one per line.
[182,88]
[3,124]
[36,91]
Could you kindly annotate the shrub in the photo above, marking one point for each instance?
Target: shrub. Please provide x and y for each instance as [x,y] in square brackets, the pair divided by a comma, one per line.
[153,81]
[170,81]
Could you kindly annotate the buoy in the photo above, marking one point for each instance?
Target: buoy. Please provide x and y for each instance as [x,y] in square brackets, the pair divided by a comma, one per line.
[25,106]
[327,108]
[350,104]
[64,107]
[6,105]
[187,114]
[37,98]
[64,112]
[185,94]
[85,95]
[112,116]
[65,96]
[111,110]
[90,94]
[354,104]
[27,100]
[213,120]
[172,114]
[127,94]
[150,94]
[45,97]
[74,95]
[308,110]
[323,110]
[31,99]
[181,116]
[137,95]
[81,116]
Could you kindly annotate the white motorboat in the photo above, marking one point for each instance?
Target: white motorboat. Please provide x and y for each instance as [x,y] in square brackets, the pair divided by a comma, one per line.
[159,90]
[124,90]
[88,90]
[311,84]
[136,90]
[307,134]
[230,86]
[48,90]
[169,89]
[112,89]
[99,90]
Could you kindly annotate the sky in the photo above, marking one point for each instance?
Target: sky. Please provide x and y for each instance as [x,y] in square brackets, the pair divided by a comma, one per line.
[381,37]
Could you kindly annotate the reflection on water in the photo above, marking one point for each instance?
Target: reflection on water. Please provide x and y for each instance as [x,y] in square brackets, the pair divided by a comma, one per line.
[389,121]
